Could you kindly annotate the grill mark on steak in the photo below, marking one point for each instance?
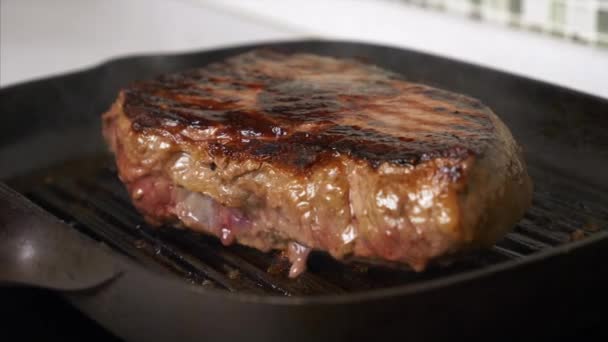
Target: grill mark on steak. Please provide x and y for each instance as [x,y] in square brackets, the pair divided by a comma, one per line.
[346,106]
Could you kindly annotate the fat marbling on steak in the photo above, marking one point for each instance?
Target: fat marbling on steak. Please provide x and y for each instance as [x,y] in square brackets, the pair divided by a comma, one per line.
[299,152]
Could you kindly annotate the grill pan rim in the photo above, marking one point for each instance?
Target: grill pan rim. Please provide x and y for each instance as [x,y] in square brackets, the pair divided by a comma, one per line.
[403,290]
[288,43]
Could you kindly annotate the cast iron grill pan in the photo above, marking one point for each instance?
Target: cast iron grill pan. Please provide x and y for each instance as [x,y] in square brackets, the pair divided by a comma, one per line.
[180,284]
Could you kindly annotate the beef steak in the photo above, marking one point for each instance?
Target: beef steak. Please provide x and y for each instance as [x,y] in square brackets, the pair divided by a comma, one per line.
[299,152]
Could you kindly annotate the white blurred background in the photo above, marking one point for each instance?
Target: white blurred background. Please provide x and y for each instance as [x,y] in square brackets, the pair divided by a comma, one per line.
[44,38]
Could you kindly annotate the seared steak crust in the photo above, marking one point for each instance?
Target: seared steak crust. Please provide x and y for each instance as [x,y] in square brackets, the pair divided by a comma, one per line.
[296,110]
[270,149]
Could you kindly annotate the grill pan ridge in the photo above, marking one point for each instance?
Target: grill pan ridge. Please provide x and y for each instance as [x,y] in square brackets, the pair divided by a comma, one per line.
[547,254]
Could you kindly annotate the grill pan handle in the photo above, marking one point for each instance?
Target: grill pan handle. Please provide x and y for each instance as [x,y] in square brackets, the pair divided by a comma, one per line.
[36,249]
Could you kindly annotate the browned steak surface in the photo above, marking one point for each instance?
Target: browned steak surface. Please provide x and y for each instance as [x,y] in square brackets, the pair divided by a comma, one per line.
[301,151]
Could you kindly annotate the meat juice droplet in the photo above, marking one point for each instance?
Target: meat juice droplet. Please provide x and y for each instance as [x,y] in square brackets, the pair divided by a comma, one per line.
[138,194]
[298,255]
[227,236]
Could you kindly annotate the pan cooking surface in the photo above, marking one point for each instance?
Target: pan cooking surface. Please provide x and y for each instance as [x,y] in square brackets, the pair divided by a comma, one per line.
[87,194]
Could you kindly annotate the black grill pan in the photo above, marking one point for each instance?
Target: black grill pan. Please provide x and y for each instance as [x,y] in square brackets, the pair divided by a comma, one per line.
[544,279]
